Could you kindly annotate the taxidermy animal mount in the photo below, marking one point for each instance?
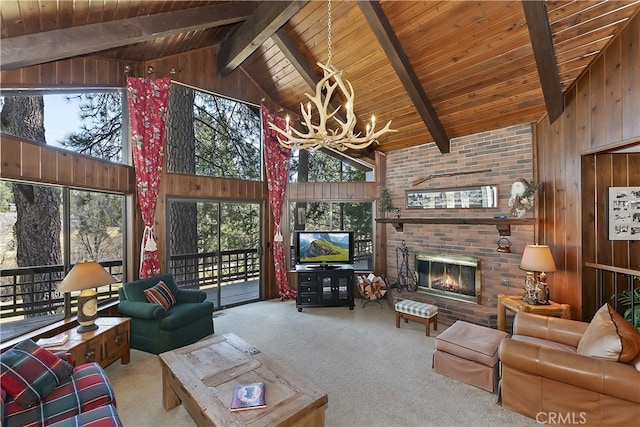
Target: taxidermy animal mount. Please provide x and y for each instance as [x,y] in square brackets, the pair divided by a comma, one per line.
[521,200]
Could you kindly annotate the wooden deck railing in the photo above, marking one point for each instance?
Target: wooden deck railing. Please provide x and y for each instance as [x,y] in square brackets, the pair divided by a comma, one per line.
[205,269]
[612,282]
[32,291]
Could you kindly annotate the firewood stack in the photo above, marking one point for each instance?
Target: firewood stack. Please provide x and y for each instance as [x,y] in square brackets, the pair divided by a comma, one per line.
[372,287]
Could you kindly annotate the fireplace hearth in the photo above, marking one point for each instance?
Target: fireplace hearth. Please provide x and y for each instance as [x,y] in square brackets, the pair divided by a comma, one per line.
[449,276]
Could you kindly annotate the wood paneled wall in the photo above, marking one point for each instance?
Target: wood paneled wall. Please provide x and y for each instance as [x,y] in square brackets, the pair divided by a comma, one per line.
[602,112]
[599,172]
[23,160]
[71,72]
[337,191]
[197,69]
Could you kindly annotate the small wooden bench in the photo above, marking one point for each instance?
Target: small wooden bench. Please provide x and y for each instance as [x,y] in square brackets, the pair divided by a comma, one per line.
[418,312]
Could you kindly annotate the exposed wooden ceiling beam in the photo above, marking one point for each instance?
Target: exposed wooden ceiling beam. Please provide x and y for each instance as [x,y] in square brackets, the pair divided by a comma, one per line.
[543,51]
[308,73]
[398,58]
[295,57]
[268,18]
[38,48]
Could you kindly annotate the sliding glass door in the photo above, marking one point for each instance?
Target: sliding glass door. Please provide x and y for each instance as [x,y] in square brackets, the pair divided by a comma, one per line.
[215,247]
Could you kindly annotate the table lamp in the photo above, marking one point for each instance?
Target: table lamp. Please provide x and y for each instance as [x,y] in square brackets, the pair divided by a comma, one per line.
[84,277]
[538,258]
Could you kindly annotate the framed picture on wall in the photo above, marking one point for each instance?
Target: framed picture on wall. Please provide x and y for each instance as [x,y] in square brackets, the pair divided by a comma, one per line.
[485,196]
[624,213]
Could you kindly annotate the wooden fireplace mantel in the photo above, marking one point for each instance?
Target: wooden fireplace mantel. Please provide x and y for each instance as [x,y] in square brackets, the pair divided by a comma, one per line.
[503,225]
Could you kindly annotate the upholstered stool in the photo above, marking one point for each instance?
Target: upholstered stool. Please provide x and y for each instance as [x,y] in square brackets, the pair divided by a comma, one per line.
[418,312]
[469,353]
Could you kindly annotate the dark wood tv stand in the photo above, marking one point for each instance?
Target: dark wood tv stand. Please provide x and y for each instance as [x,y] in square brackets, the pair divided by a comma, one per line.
[325,286]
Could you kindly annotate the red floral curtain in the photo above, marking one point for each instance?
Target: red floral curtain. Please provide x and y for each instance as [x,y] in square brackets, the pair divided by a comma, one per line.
[276,160]
[148,102]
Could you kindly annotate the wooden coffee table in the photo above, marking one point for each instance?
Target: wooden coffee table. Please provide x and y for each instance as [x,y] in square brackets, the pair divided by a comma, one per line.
[202,377]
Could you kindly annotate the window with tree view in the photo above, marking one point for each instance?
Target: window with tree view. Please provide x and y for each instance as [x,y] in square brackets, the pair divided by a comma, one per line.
[317,166]
[212,136]
[45,229]
[86,122]
[320,216]
[306,166]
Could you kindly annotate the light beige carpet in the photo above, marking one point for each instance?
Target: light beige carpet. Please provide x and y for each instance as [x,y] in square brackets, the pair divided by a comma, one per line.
[373,373]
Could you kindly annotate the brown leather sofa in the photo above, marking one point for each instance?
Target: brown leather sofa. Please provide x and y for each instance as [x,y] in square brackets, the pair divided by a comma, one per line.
[544,377]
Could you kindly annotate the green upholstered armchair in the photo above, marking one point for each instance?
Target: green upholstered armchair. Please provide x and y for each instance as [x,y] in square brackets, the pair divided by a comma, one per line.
[155,329]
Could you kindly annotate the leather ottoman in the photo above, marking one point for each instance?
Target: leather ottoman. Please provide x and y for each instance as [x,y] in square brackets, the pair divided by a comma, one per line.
[469,353]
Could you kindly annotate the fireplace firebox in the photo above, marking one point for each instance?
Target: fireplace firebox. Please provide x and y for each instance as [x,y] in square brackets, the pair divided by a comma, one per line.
[450,276]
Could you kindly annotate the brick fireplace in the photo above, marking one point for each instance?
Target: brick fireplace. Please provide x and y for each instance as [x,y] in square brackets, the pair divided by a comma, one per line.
[449,276]
[502,156]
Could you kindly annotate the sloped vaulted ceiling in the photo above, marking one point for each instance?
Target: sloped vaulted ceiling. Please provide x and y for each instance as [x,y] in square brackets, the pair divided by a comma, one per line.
[438,69]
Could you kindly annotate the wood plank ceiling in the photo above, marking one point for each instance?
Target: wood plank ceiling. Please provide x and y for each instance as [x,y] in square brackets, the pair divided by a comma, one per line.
[438,69]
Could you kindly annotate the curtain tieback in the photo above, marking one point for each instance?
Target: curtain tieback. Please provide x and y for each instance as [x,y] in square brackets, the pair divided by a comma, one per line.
[149,239]
[278,235]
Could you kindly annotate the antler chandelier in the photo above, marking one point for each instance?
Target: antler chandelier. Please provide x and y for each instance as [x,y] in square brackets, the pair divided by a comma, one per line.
[320,134]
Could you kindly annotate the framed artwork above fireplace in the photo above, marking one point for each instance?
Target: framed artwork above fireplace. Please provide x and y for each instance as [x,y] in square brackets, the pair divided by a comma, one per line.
[485,196]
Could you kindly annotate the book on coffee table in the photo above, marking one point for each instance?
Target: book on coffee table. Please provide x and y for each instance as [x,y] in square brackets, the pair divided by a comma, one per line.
[248,396]
[54,341]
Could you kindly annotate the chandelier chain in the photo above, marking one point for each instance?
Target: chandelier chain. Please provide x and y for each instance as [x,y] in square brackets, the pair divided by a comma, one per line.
[329,31]
[326,128]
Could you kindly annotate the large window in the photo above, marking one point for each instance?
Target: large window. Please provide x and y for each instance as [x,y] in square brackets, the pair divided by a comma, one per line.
[350,216]
[44,230]
[84,121]
[306,166]
[317,166]
[96,226]
[212,136]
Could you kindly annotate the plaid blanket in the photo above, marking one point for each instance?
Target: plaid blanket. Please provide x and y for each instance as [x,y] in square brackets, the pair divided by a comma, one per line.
[104,416]
[86,389]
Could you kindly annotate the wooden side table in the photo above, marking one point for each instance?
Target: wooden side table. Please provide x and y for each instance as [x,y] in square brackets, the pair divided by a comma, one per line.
[104,345]
[515,304]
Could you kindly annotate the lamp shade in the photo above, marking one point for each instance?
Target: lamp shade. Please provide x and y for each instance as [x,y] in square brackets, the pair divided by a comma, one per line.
[86,275]
[537,258]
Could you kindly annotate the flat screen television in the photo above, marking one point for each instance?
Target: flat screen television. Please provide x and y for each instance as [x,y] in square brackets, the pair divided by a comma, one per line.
[324,248]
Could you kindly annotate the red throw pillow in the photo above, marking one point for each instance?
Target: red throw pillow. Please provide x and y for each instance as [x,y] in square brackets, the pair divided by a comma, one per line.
[30,372]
